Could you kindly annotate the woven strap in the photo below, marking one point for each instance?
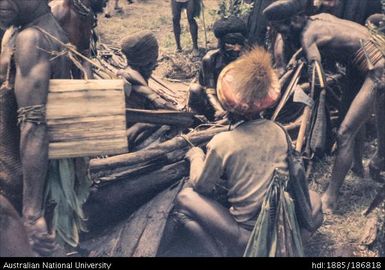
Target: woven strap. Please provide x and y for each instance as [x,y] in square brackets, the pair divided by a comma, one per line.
[33,114]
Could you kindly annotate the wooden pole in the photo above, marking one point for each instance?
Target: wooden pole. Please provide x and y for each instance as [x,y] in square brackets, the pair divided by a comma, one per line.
[288,92]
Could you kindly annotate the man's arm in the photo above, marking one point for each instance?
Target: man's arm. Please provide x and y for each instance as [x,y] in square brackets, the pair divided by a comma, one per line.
[310,46]
[207,79]
[279,55]
[140,86]
[205,172]
[33,71]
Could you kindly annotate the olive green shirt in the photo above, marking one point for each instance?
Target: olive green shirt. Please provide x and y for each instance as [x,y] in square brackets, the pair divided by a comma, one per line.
[245,158]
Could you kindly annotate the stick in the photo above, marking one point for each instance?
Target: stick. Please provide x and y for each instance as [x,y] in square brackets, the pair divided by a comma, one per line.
[160,83]
[305,119]
[288,92]
[162,117]
[204,24]
[71,48]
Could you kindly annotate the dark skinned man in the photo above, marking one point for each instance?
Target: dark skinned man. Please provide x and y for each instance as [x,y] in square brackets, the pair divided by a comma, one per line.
[30,69]
[325,34]
[193,10]
[247,158]
[231,34]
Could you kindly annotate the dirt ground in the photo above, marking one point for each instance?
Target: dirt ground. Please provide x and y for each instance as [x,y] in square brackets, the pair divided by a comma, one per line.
[342,233]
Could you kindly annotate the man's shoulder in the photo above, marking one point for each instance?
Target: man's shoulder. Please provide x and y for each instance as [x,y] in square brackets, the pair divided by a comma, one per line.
[263,127]
[220,139]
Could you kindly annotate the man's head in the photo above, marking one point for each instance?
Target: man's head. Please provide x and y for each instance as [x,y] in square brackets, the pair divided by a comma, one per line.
[231,34]
[19,12]
[248,85]
[141,50]
[285,16]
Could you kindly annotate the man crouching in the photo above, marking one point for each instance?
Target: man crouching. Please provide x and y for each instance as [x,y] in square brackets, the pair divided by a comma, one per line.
[248,158]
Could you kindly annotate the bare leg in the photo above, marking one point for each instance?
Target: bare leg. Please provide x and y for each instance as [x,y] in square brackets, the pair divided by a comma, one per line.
[193,26]
[358,167]
[317,215]
[213,219]
[357,115]
[176,14]
[377,163]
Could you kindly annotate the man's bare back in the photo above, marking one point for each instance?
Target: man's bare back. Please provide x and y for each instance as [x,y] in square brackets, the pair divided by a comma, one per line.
[340,38]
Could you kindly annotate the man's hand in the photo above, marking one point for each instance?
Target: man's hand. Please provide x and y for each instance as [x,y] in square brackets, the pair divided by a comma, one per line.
[220,115]
[42,242]
[193,153]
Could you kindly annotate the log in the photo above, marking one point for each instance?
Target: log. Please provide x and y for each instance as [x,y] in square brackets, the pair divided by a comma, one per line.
[140,235]
[112,203]
[154,152]
[139,131]
[161,117]
[153,138]
[134,171]
[86,118]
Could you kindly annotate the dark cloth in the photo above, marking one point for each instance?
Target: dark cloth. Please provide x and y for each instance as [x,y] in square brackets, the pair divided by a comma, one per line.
[140,48]
[10,164]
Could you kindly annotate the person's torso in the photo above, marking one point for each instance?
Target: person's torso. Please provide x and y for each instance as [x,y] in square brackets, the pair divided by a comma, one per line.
[251,153]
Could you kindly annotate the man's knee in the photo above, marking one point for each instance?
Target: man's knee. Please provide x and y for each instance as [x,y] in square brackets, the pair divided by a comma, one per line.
[196,94]
[176,19]
[345,136]
[195,89]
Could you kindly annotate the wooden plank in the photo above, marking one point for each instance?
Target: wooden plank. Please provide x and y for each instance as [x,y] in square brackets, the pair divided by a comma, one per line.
[88,137]
[86,118]
[97,95]
[85,108]
[84,85]
[84,148]
[90,128]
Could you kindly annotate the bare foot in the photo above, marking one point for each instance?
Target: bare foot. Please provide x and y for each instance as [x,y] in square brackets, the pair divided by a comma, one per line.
[329,203]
